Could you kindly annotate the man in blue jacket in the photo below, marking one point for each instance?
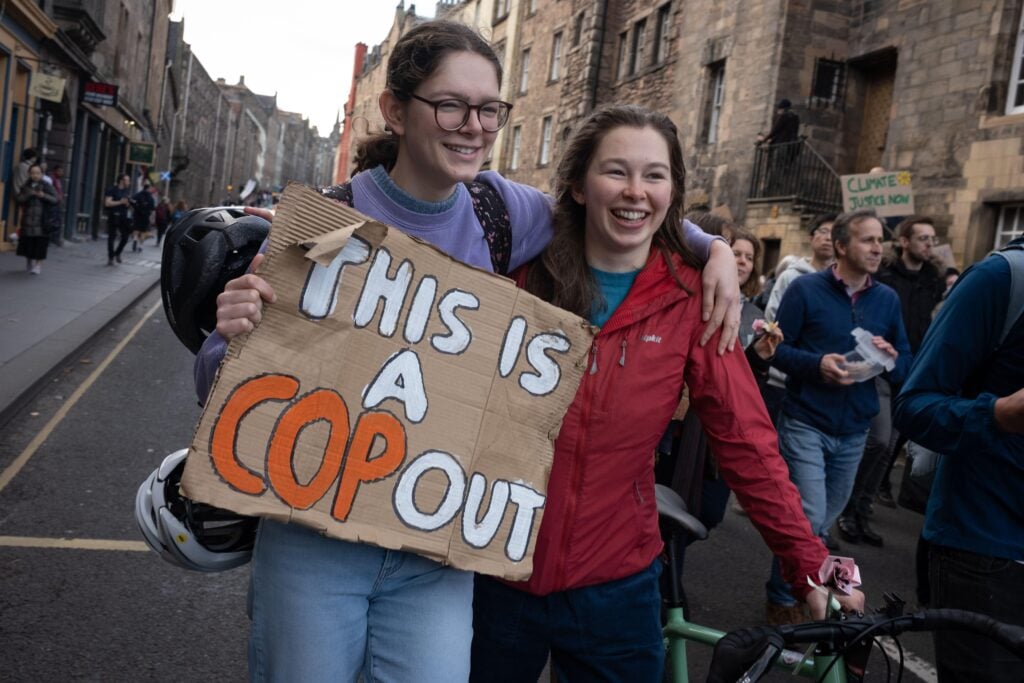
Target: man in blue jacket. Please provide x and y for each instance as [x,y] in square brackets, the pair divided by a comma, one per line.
[826,414]
[964,398]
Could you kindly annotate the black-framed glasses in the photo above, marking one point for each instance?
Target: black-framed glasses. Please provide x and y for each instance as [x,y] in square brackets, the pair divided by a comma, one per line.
[452,114]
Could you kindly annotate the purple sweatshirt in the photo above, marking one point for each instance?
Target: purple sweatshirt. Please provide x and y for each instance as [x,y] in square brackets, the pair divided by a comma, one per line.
[454,229]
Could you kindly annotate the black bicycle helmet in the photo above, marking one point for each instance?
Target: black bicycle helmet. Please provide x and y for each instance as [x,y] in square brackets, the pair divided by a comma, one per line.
[188,534]
[202,252]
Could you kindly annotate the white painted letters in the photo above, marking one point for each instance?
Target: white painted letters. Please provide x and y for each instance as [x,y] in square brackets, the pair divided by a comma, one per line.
[480,535]
[548,373]
[460,336]
[511,345]
[379,286]
[320,293]
[405,491]
[401,378]
[528,501]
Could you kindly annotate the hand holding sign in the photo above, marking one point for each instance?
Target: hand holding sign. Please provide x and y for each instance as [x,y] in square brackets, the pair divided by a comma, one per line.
[240,305]
[387,394]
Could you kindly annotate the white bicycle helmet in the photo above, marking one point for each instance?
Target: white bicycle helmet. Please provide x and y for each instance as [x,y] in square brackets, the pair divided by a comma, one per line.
[192,535]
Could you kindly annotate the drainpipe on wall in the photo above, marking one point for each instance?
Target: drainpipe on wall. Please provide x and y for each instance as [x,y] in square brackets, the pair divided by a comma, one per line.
[595,70]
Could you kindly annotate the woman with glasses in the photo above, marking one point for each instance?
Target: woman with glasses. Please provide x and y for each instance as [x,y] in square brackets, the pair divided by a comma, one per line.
[325,609]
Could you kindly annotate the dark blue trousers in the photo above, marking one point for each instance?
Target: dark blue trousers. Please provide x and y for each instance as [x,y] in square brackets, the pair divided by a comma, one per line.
[607,632]
[977,583]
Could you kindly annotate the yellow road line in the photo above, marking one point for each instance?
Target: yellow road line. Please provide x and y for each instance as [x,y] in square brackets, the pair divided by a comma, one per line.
[19,462]
[72,543]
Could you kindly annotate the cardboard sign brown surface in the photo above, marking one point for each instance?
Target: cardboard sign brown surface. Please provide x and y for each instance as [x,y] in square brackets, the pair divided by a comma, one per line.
[391,396]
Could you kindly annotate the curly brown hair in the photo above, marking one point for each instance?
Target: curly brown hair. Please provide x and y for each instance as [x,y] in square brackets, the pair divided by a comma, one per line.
[561,275]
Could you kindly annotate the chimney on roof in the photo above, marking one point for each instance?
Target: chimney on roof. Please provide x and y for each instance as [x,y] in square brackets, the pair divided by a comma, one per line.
[241,80]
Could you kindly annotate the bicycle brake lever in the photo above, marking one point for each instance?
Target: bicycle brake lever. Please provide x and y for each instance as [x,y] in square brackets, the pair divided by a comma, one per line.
[766,659]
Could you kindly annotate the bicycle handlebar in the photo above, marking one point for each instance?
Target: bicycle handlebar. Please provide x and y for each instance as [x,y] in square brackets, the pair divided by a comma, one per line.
[850,629]
[737,650]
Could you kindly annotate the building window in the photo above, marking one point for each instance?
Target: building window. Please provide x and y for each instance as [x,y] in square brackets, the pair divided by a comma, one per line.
[621,73]
[499,52]
[545,142]
[531,7]
[713,103]
[577,29]
[501,9]
[1015,93]
[517,142]
[636,57]
[556,57]
[1010,225]
[827,83]
[661,38]
[524,71]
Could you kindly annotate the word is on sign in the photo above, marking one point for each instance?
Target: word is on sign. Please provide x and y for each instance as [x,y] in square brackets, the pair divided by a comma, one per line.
[889,194]
[391,395]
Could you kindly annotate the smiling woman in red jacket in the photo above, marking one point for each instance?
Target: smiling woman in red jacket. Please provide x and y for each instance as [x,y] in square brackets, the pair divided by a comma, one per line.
[617,259]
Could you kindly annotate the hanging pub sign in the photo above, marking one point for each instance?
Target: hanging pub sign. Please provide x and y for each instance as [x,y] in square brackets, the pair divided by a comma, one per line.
[142,153]
[47,87]
[103,94]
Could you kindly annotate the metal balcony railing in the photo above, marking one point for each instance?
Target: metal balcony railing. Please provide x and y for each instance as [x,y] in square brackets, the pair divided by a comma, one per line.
[795,171]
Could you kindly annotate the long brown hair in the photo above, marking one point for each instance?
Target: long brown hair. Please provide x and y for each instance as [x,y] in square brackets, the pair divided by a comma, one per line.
[415,58]
[753,284]
[562,275]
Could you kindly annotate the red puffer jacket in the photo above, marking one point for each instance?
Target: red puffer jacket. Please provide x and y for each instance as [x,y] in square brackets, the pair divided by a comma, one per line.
[601,520]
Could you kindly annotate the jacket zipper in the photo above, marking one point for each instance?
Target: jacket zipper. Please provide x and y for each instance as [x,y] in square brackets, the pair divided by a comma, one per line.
[622,358]
[575,473]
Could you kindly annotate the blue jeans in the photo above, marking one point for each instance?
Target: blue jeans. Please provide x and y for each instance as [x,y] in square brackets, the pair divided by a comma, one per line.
[978,583]
[607,632]
[823,468]
[328,610]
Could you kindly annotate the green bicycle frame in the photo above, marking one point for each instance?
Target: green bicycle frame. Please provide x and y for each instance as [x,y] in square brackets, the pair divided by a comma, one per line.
[677,631]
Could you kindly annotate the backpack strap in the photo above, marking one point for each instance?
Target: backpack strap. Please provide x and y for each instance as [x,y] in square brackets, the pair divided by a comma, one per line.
[341,193]
[488,206]
[492,213]
[1015,257]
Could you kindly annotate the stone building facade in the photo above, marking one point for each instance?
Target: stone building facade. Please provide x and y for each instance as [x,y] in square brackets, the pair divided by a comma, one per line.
[196,129]
[936,89]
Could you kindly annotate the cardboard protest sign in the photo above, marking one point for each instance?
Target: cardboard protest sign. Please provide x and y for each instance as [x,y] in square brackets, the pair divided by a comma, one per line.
[889,194]
[391,396]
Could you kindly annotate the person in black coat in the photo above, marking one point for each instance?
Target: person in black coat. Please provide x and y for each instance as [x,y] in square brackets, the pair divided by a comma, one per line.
[784,132]
[143,205]
[36,200]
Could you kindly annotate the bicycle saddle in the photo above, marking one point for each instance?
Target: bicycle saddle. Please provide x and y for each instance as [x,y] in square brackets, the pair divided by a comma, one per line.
[671,507]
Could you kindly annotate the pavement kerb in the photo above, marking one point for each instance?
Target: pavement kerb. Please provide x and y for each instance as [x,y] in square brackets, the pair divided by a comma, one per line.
[28,372]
